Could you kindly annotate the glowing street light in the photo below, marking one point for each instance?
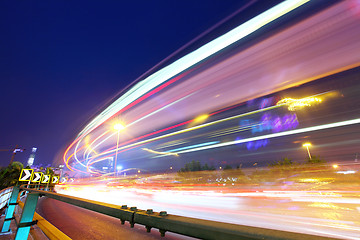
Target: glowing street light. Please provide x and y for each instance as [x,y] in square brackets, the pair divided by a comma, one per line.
[119,127]
[307,145]
[335,166]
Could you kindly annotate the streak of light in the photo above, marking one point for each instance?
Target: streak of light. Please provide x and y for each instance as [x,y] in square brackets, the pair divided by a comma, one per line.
[160,109]
[186,130]
[191,59]
[77,150]
[132,123]
[295,104]
[328,205]
[194,146]
[280,134]
[95,160]
[100,136]
[171,144]
[201,118]
[231,131]
[88,146]
[205,204]
[161,153]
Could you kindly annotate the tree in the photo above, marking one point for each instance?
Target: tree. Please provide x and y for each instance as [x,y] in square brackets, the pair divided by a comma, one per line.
[206,167]
[194,166]
[315,160]
[49,171]
[9,176]
[283,162]
[227,167]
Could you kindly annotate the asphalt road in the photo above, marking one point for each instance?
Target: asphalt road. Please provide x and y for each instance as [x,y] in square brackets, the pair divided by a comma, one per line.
[79,223]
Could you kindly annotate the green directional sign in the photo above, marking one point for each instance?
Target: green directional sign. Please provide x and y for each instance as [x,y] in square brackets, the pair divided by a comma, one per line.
[26,174]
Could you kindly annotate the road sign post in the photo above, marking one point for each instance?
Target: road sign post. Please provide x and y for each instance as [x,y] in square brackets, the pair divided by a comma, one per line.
[46,179]
[36,178]
[26,220]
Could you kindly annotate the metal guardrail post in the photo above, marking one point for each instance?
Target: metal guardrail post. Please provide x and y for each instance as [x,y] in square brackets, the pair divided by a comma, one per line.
[26,220]
[9,215]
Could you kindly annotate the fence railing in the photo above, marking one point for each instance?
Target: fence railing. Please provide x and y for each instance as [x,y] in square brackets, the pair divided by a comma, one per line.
[198,228]
[4,196]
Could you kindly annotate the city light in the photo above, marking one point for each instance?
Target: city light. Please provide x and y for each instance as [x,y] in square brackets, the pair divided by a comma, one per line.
[307,145]
[296,104]
[119,126]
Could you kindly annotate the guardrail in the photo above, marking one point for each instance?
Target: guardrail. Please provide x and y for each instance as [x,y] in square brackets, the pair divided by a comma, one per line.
[198,228]
[4,196]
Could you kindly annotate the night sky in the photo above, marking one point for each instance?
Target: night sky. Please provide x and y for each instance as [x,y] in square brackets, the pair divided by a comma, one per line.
[61,61]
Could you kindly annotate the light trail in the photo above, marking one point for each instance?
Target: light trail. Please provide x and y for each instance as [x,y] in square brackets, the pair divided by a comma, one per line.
[191,59]
[173,151]
[97,138]
[157,109]
[280,134]
[323,216]
[161,153]
[187,130]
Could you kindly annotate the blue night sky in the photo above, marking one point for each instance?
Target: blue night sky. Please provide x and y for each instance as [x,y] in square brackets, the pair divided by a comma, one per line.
[61,61]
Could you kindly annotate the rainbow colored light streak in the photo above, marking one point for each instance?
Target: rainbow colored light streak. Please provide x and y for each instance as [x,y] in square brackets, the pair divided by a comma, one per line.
[162,111]
[191,59]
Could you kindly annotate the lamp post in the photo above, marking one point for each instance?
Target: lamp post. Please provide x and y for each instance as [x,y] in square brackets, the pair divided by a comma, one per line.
[118,127]
[307,145]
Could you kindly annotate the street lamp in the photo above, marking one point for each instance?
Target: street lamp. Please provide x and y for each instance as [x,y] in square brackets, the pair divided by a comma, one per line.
[118,127]
[307,145]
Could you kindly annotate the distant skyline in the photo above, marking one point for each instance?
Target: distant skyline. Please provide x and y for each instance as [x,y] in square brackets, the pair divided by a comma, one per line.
[60,62]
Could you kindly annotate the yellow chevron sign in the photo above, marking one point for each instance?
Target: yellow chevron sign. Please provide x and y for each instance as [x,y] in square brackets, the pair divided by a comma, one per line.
[26,174]
[55,179]
[36,177]
[45,179]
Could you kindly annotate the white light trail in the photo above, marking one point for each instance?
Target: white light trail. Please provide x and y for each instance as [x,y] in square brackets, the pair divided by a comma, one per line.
[280,134]
[168,72]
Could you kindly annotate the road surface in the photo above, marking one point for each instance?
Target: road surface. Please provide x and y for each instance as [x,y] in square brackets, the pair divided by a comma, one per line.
[80,224]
